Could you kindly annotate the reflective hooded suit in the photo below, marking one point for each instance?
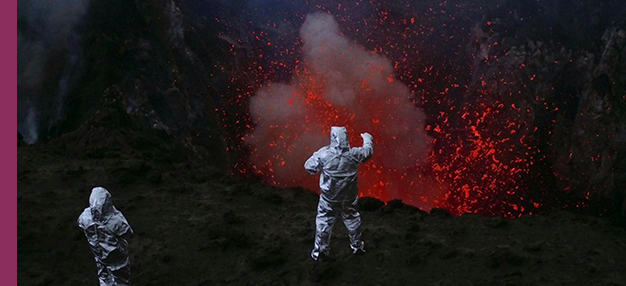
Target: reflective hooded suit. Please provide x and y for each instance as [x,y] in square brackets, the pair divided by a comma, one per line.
[105,228]
[338,164]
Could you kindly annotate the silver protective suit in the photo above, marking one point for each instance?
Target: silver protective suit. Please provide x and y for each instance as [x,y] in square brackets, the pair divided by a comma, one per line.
[105,228]
[338,165]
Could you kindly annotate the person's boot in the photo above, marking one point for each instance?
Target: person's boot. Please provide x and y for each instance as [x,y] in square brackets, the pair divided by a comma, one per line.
[320,255]
[359,248]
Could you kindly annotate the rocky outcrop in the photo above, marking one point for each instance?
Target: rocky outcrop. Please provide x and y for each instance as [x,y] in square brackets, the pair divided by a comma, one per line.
[144,63]
[566,107]
[589,161]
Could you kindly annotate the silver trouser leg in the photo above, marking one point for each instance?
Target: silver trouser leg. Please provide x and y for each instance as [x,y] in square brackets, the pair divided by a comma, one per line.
[352,220]
[325,220]
[114,275]
[121,273]
[104,275]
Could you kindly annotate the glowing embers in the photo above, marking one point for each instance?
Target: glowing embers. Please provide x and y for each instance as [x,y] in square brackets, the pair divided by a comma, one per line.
[340,83]
[482,145]
[486,164]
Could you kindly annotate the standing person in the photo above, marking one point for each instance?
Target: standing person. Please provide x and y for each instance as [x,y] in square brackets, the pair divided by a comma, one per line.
[106,230]
[338,164]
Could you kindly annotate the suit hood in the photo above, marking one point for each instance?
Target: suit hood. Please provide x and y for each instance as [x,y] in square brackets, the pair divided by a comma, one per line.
[339,138]
[100,203]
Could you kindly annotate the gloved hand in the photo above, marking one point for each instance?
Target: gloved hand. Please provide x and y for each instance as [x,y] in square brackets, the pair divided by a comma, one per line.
[366,136]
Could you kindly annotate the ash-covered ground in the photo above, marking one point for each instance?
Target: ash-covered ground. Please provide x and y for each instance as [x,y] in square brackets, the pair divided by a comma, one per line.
[195,226]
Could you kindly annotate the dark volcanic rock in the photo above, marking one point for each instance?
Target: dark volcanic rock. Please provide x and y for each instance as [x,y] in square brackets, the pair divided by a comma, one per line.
[369,204]
[184,227]
[497,222]
[395,204]
[534,247]
[575,116]
[324,272]
[268,255]
[439,212]
[20,140]
[504,254]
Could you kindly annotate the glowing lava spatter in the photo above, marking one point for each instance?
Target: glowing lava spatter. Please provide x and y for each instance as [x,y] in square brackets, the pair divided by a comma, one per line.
[485,170]
[342,84]
[475,148]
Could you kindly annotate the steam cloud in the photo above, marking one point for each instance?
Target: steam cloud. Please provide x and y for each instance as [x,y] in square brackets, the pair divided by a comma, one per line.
[47,56]
[341,83]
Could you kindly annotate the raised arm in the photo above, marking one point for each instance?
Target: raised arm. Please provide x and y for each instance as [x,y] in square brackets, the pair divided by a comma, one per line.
[362,154]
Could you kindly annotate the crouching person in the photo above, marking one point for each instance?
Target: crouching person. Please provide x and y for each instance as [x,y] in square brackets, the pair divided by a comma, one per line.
[338,164]
[106,230]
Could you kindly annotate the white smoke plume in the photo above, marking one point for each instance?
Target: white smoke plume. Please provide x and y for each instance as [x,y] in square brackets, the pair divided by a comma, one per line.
[341,84]
[46,29]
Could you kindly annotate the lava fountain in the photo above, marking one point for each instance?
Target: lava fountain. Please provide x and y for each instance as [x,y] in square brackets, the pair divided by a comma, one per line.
[341,83]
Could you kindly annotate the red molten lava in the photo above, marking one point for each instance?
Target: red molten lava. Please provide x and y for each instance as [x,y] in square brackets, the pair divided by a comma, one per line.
[302,126]
[474,161]
[342,84]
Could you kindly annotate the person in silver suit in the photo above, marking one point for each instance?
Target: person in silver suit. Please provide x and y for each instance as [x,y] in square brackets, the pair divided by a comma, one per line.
[338,165]
[106,230]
